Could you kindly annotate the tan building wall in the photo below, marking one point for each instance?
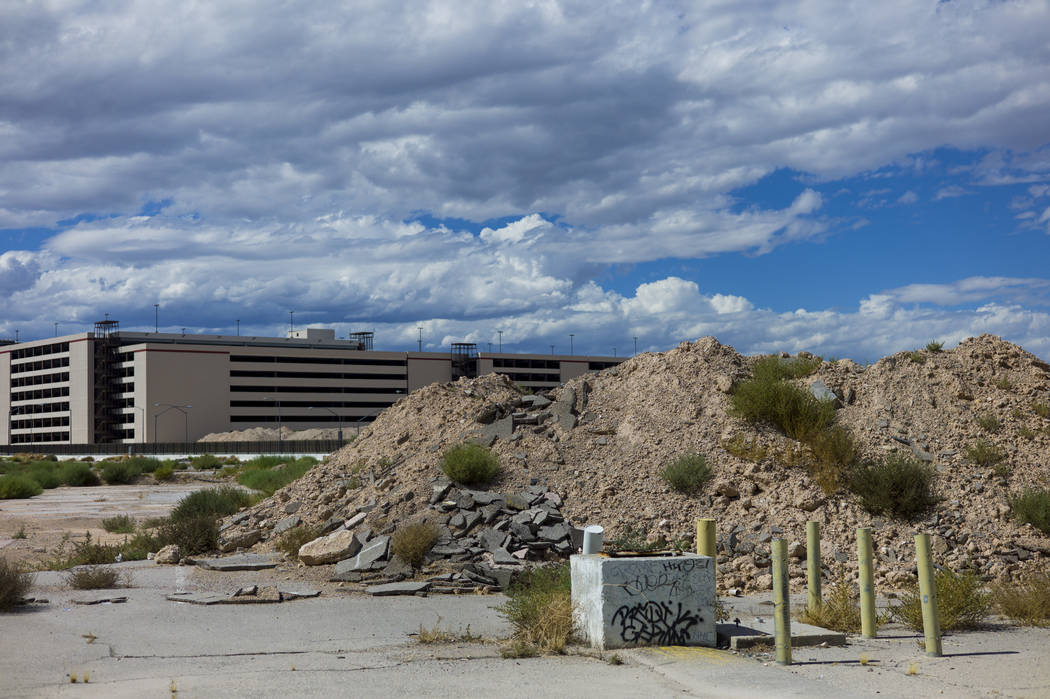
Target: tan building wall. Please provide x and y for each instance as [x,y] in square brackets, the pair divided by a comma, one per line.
[180,377]
[81,390]
[423,371]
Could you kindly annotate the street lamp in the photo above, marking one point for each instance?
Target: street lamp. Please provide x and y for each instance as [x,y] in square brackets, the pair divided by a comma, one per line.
[156,318]
[500,340]
[338,417]
[420,329]
[278,401]
[168,406]
[570,344]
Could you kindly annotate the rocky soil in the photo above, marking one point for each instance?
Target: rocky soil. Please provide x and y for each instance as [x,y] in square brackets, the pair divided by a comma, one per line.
[599,444]
[269,434]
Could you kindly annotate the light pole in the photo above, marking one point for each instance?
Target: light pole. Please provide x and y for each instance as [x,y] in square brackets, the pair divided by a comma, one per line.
[570,344]
[420,329]
[614,351]
[156,317]
[56,329]
[278,402]
[238,327]
[291,322]
[500,340]
[169,406]
[636,344]
[338,417]
[552,350]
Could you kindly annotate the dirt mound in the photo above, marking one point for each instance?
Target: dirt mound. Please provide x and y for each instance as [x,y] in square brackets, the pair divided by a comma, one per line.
[602,441]
[269,434]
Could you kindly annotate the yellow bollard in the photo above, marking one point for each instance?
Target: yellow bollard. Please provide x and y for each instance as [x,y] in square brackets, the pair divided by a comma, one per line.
[705,541]
[867,583]
[781,603]
[931,620]
[813,564]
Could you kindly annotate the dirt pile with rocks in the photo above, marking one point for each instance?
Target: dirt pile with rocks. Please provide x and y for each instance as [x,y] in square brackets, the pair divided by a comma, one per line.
[600,443]
[269,434]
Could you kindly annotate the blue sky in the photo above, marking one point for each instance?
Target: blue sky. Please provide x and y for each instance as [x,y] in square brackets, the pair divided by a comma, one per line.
[849,179]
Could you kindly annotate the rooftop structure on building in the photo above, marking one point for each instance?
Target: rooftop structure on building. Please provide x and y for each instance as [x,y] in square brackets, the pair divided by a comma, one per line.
[110,385]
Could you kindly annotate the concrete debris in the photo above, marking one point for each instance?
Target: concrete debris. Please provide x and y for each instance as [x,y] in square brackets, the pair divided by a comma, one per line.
[244,561]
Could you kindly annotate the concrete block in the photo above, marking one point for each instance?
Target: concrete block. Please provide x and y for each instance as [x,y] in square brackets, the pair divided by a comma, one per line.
[644,601]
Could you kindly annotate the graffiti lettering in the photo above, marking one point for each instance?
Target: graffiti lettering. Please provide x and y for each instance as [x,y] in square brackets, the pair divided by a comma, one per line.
[655,622]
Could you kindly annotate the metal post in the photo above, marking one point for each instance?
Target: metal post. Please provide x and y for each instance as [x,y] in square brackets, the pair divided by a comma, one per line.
[156,317]
[238,327]
[500,340]
[420,329]
[636,344]
[813,564]
[867,583]
[155,416]
[931,620]
[781,603]
[570,344]
[705,541]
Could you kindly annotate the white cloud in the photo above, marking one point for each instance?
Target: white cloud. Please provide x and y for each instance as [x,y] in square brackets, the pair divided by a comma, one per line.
[908,197]
[950,192]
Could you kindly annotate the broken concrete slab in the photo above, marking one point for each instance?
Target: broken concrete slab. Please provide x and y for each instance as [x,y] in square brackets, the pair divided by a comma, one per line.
[287,523]
[399,588]
[370,557]
[337,546]
[229,541]
[752,631]
[102,600]
[244,561]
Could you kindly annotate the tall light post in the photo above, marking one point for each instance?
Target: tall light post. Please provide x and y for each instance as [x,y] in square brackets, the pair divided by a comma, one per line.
[238,327]
[167,407]
[291,322]
[278,402]
[420,329]
[156,317]
[552,350]
[570,344]
[636,344]
[500,340]
[338,417]
[56,329]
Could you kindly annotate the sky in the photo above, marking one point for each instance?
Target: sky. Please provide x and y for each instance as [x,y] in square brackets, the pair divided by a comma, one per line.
[848,178]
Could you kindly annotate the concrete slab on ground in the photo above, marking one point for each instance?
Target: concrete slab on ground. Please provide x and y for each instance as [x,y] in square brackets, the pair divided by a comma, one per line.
[754,631]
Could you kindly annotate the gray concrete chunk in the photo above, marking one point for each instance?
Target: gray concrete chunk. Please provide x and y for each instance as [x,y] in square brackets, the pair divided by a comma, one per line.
[286,524]
[244,561]
[400,588]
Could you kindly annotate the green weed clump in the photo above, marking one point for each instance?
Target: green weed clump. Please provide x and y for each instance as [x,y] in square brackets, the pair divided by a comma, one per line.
[292,540]
[271,478]
[194,534]
[94,578]
[540,608]
[743,448]
[165,472]
[144,464]
[1041,409]
[989,423]
[933,346]
[1032,507]
[412,542]
[1025,601]
[78,474]
[210,502]
[470,464]
[14,487]
[120,524]
[45,474]
[917,357]
[895,486]
[833,450]
[206,461]
[983,453]
[961,602]
[792,410]
[15,584]
[839,610]
[687,474]
[119,472]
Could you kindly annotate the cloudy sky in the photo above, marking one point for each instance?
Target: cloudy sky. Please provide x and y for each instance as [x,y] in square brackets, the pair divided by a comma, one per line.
[852,179]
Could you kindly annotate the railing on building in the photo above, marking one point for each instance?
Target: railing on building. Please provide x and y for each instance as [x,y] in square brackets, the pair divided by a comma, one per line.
[312,446]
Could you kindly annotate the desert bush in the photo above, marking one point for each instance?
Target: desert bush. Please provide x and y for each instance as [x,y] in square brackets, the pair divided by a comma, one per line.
[917,357]
[540,608]
[834,450]
[633,539]
[777,368]
[76,473]
[934,346]
[15,584]
[120,524]
[839,610]
[687,474]
[896,486]
[95,577]
[266,461]
[206,461]
[470,464]
[270,479]
[1032,507]
[412,542]
[165,472]
[744,448]
[1004,383]
[45,473]
[210,502]
[989,423]
[292,540]
[1025,433]
[144,464]
[961,602]
[792,410]
[85,552]
[984,454]
[194,534]
[119,472]
[13,486]
[1025,601]
[1041,409]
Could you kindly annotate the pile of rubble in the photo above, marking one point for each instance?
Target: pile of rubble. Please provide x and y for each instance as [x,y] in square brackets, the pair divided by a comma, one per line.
[600,443]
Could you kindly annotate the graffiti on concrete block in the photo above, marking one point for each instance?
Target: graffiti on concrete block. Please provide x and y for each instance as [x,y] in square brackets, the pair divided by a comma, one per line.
[655,623]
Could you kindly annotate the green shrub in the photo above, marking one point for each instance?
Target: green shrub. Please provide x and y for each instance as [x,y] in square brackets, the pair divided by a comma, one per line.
[206,461]
[688,473]
[989,423]
[15,584]
[1032,507]
[292,540]
[144,464]
[1025,433]
[1004,383]
[270,479]
[792,410]
[86,552]
[95,577]
[961,602]
[635,540]
[77,474]
[142,544]
[15,487]
[267,461]
[1041,409]
[119,472]
[984,454]
[120,524]
[743,448]
[210,502]
[834,450]
[777,368]
[470,464]
[896,486]
[934,346]
[839,610]
[45,473]
[1025,601]
[917,357]
[193,533]
[165,472]
[412,542]
[540,608]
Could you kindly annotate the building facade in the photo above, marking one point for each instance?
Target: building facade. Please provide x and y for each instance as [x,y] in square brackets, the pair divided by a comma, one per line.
[109,386]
